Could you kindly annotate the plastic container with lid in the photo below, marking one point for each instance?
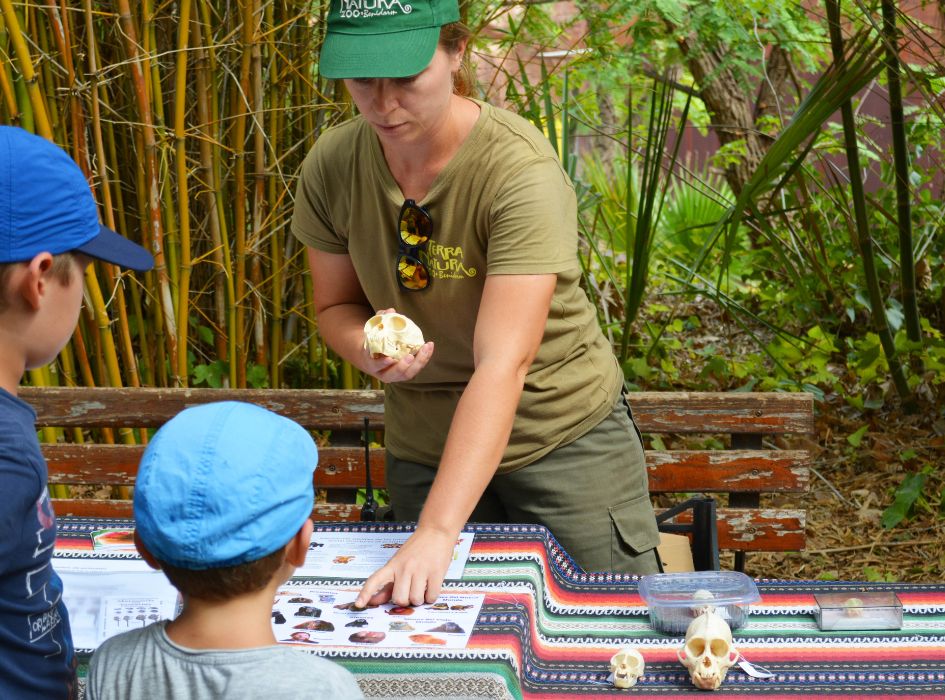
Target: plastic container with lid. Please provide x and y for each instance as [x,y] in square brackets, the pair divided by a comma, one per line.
[858,611]
[675,600]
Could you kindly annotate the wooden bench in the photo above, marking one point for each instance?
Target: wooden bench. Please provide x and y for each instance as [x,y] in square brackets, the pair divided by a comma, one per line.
[747,469]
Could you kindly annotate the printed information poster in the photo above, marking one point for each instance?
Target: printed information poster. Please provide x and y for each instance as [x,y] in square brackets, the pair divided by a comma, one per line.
[325,616]
[106,597]
[360,554]
[110,594]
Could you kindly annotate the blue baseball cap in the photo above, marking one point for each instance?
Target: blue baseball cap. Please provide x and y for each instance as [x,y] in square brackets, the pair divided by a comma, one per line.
[222,484]
[46,206]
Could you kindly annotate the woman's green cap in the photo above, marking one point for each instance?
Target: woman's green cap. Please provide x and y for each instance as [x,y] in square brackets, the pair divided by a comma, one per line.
[383,38]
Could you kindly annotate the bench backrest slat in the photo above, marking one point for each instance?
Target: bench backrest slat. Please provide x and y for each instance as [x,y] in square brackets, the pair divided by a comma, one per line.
[149,408]
[711,471]
[335,409]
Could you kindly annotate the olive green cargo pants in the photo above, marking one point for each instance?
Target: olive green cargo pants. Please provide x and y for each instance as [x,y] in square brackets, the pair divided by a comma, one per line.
[592,494]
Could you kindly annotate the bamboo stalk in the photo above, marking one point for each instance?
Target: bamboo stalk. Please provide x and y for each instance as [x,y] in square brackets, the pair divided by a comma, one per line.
[864,240]
[6,80]
[259,199]
[45,78]
[277,244]
[239,111]
[209,184]
[128,357]
[59,28]
[38,104]
[156,229]
[222,207]
[910,304]
[183,197]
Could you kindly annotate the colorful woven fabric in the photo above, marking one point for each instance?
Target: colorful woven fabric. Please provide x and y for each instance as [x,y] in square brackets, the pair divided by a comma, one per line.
[548,629]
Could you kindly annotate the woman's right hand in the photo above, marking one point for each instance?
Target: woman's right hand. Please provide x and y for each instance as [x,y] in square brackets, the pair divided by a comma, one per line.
[414,575]
[389,370]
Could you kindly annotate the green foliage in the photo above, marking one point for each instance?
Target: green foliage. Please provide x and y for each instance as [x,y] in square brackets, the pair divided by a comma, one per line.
[380,497]
[908,497]
[874,575]
[216,373]
[742,28]
[856,437]
[212,374]
[695,203]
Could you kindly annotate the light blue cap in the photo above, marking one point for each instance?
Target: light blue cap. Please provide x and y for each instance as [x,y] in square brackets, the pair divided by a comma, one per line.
[222,484]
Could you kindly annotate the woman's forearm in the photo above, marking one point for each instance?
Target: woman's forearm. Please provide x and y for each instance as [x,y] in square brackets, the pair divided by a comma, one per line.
[474,446]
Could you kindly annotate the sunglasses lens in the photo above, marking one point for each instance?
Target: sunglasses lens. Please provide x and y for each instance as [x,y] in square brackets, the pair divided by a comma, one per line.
[415,225]
[412,272]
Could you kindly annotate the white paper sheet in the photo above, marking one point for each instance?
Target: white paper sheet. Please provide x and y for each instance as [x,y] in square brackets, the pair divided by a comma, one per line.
[110,598]
[354,555]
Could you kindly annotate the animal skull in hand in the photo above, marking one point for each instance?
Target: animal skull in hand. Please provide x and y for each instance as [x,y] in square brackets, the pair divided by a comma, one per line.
[393,335]
[708,652]
[627,666]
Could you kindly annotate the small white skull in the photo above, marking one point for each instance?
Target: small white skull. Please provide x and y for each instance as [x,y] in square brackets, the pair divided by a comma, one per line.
[627,666]
[393,335]
[702,595]
[708,652]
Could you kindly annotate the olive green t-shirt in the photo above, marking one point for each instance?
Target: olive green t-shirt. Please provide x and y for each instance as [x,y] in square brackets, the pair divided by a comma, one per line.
[501,206]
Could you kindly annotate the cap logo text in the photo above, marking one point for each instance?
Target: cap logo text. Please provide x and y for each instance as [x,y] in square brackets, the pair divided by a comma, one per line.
[373,8]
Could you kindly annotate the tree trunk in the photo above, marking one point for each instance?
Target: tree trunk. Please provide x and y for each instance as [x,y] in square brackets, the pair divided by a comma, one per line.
[734,110]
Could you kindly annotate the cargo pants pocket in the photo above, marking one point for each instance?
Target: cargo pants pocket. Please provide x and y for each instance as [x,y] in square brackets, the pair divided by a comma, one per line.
[634,537]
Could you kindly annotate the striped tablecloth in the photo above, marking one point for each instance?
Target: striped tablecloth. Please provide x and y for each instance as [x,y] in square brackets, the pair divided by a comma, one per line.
[548,629]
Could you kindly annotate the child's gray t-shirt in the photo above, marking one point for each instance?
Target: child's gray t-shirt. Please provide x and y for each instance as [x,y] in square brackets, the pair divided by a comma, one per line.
[145,663]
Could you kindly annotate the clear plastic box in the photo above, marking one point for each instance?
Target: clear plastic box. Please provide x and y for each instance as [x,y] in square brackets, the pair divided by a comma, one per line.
[858,611]
[674,600]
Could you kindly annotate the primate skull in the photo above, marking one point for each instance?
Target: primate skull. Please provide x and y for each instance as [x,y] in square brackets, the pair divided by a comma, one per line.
[708,652]
[703,597]
[393,335]
[627,666]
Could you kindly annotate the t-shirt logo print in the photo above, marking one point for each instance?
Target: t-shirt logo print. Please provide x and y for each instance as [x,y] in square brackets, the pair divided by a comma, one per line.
[373,8]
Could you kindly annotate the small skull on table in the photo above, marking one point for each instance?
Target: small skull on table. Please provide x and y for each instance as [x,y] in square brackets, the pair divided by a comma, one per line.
[627,666]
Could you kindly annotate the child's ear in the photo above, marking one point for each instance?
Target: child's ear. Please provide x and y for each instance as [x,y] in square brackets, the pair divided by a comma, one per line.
[297,548]
[145,554]
[33,284]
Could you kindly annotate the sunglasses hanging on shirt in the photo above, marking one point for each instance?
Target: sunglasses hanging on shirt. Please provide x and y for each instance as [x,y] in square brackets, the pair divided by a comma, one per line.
[415,227]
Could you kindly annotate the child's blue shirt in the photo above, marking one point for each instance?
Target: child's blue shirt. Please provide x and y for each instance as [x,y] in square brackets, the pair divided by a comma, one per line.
[36,655]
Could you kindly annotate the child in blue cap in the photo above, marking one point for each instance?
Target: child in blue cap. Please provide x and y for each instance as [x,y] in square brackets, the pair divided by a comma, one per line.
[49,233]
[222,505]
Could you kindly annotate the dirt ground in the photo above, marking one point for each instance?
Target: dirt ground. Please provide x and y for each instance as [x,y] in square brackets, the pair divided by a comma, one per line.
[850,489]
[851,486]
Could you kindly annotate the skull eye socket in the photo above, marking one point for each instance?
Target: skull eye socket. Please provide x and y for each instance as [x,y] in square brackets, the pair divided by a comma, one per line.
[696,647]
[719,647]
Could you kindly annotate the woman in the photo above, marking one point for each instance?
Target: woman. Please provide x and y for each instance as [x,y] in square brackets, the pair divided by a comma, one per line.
[458,215]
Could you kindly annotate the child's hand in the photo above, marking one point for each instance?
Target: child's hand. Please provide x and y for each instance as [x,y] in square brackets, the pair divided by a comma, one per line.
[414,575]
